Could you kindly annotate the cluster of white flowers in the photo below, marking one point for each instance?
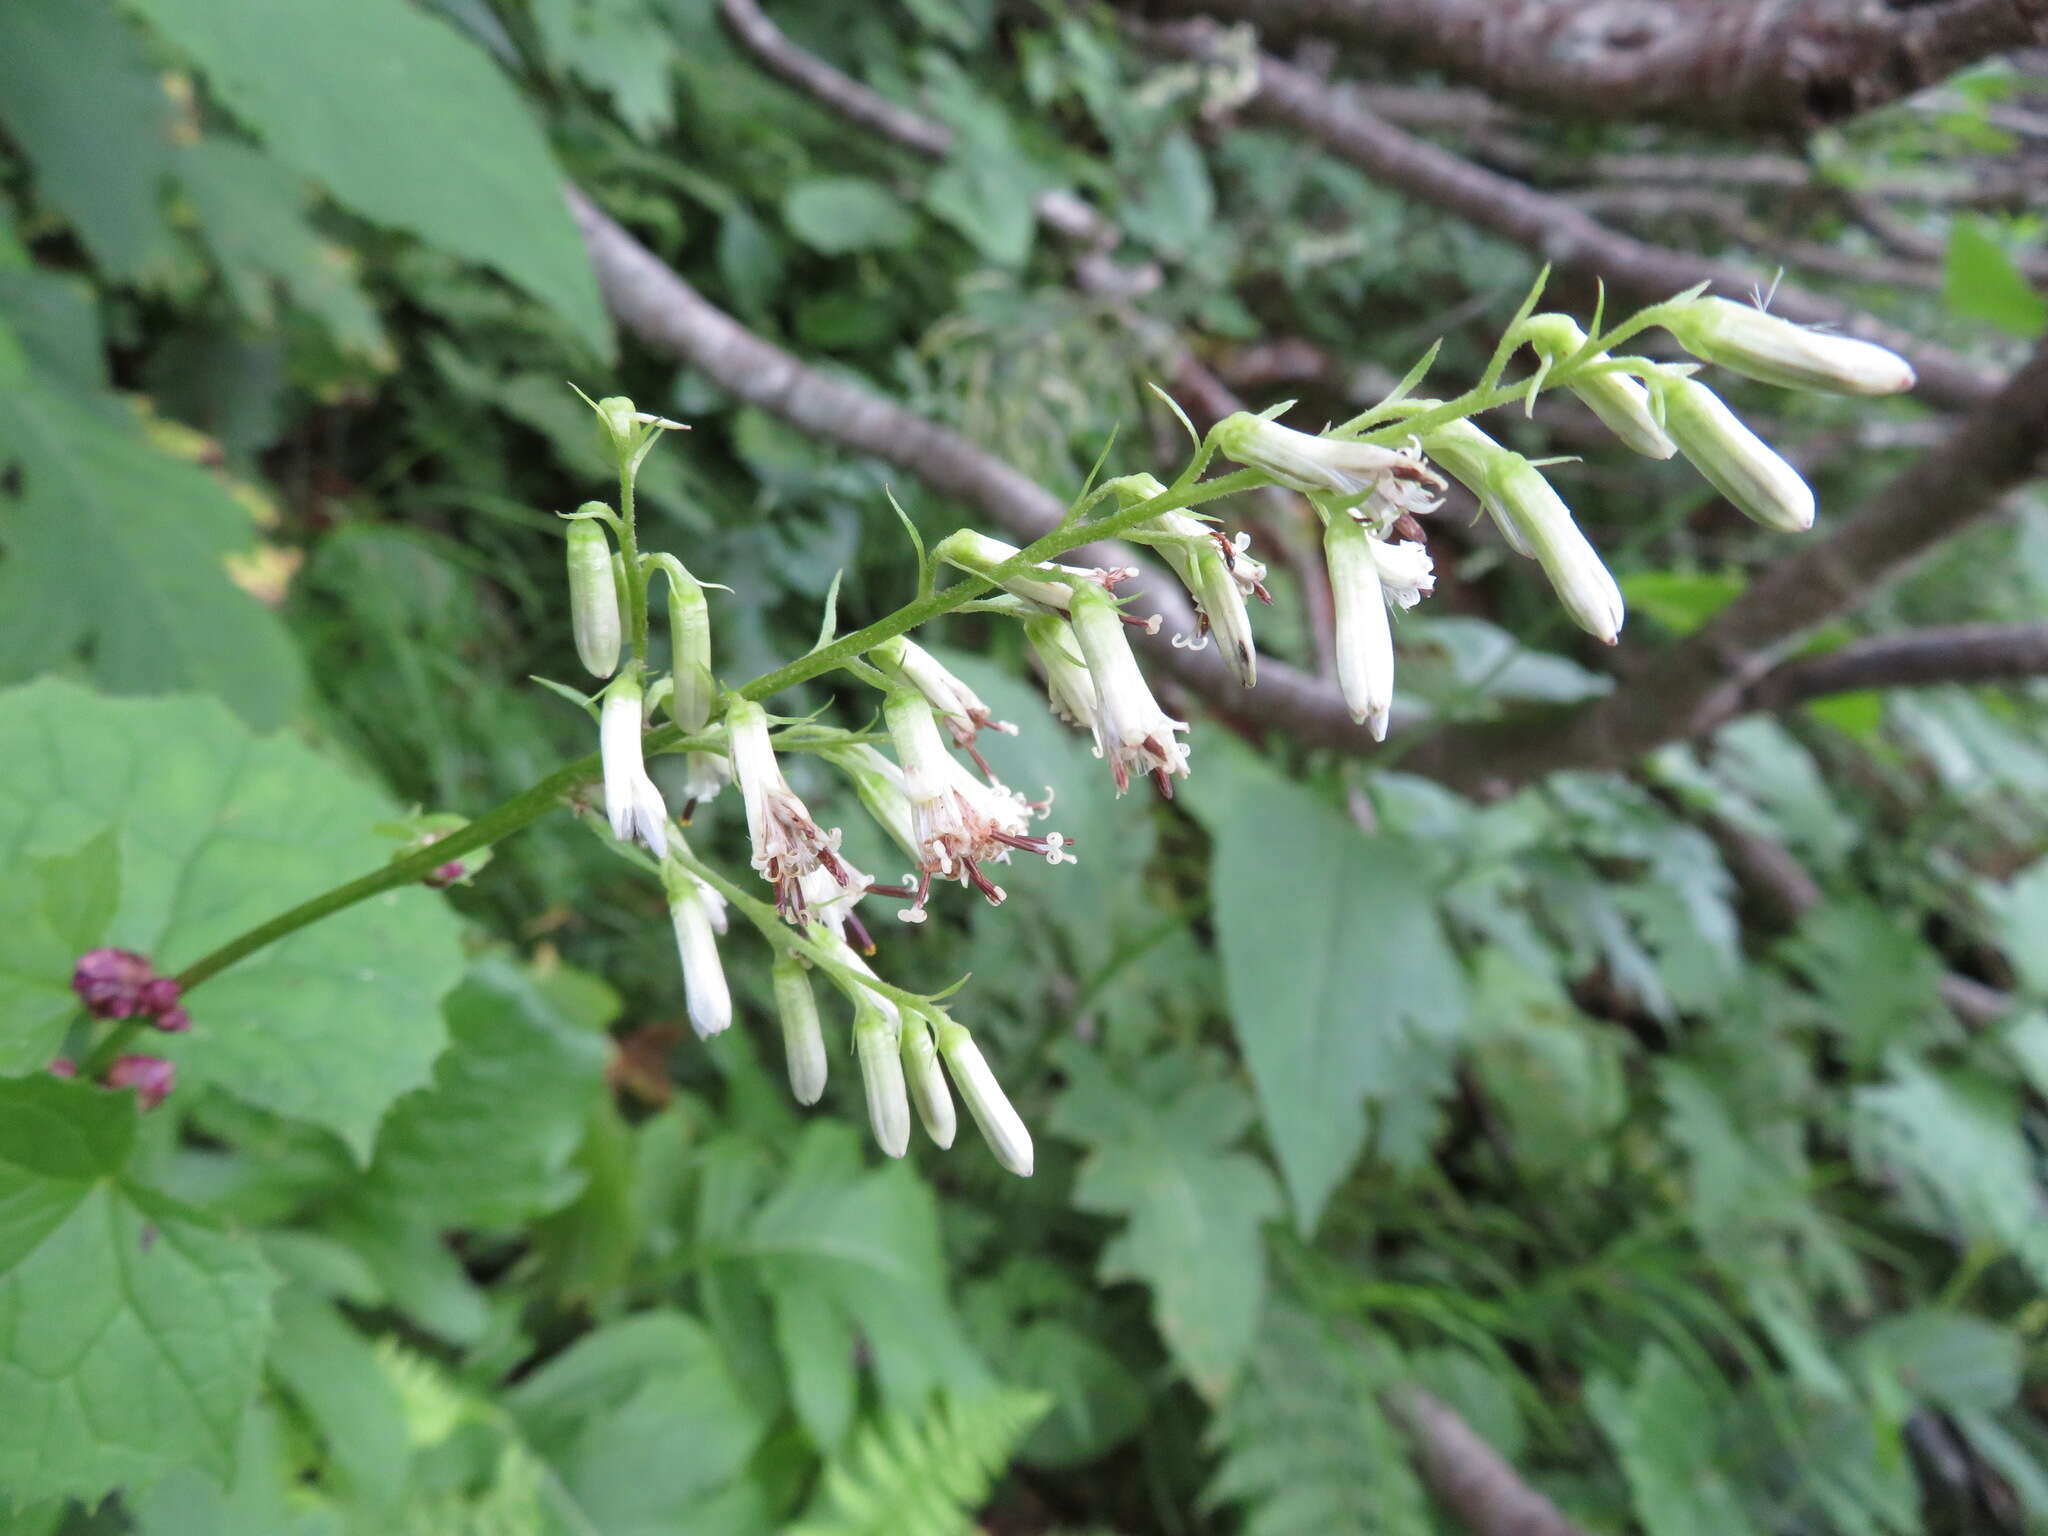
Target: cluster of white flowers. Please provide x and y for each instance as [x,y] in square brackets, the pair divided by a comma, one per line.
[957,823]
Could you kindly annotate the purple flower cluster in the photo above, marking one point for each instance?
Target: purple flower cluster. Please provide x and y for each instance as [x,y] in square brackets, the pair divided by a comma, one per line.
[120,984]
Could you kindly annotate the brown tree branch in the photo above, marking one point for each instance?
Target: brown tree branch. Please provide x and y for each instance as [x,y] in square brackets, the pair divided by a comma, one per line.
[1722,669]
[1469,1477]
[1779,66]
[1566,236]
[1918,658]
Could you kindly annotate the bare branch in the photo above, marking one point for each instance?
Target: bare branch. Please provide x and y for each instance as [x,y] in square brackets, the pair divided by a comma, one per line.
[1551,226]
[1469,1477]
[1782,66]
[1919,658]
[1716,673]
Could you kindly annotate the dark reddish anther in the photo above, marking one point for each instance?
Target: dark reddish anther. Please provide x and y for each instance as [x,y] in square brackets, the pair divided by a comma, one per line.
[1407,527]
[110,982]
[982,883]
[447,874]
[689,811]
[862,939]
[151,1077]
[903,892]
[63,1066]
[1164,781]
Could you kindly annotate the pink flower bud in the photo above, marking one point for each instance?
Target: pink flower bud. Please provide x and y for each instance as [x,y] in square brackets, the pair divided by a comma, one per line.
[151,1077]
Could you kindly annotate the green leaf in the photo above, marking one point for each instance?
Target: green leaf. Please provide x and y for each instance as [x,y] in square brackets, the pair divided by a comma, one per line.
[1949,1360]
[265,1497]
[1880,982]
[840,1252]
[81,890]
[841,214]
[252,215]
[131,1330]
[1951,1143]
[46,923]
[1980,281]
[1681,601]
[489,1144]
[115,548]
[404,123]
[2019,910]
[1556,1075]
[1663,1428]
[1343,989]
[1302,1445]
[620,47]
[1159,1153]
[643,1419]
[922,1476]
[83,102]
[336,1378]
[219,830]
[1175,200]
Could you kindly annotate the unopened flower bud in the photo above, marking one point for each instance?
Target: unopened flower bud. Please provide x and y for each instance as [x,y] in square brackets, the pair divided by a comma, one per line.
[803,1040]
[1577,574]
[593,597]
[1364,638]
[1621,403]
[881,1073]
[628,431]
[1764,346]
[110,981]
[927,1083]
[1069,689]
[1000,1125]
[1733,459]
[1044,583]
[1469,455]
[697,914]
[151,1077]
[692,691]
[1306,462]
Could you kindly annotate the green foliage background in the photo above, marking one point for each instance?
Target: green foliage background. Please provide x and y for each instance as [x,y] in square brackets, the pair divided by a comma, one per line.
[1705,1227]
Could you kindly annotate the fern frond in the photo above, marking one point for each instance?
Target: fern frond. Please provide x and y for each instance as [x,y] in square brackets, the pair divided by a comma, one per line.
[1304,1448]
[922,1475]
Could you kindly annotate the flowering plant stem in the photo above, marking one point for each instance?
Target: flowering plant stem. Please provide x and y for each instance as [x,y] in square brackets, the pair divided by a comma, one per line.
[523,809]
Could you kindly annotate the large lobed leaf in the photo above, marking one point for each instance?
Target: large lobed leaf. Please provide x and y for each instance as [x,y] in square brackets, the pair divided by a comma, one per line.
[405,123]
[131,1328]
[218,830]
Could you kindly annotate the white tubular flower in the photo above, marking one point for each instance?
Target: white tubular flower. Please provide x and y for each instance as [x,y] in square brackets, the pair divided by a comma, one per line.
[803,1040]
[697,913]
[979,555]
[1133,731]
[881,1073]
[958,822]
[1621,403]
[593,595]
[1000,1125]
[960,707]
[1577,574]
[1069,690]
[631,802]
[787,843]
[879,783]
[1733,459]
[926,1080]
[706,773]
[1763,346]
[830,896]
[1218,577]
[1305,462]
[1407,574]
[1365,640]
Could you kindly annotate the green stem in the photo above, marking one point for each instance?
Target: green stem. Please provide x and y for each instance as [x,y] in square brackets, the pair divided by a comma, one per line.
[636,578]
[529,805]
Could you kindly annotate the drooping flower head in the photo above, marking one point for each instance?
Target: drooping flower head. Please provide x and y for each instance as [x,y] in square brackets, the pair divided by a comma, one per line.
[697,914]
[1364,638]
[788,844]
[1215,569]
[1047,584]
[1733,459]
[1764,346]
[1621,403]
[1135,734]
[959,707]
[1306,462]
[632,804]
